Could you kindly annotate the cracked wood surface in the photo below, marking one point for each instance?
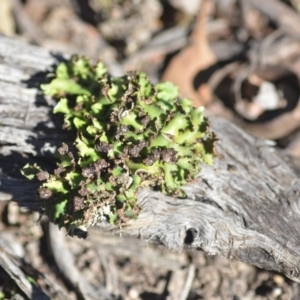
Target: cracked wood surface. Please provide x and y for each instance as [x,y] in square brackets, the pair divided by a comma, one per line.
[245,207]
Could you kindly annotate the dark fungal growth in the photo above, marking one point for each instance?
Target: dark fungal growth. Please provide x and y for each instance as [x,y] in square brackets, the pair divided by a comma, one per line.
[130,134]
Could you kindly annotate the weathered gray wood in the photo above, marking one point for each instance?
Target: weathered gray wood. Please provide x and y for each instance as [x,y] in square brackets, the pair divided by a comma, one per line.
[245,207]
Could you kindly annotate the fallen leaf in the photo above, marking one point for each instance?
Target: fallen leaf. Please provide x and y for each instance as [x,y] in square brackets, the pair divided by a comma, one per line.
[185,66]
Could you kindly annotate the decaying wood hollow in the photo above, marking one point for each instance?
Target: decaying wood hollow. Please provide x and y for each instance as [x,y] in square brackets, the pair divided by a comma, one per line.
[245,207]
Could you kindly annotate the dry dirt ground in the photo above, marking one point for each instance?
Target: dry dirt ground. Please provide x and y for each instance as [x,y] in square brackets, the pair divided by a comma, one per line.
[238,58]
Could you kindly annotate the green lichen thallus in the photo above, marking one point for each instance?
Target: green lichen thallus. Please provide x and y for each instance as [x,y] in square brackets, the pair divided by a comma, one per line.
[130,135]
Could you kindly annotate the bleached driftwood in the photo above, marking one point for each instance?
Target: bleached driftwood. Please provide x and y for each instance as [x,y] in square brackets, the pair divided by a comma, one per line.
[245,207]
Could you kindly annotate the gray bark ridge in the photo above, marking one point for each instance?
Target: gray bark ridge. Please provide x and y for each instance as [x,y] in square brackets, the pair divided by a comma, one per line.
[245,207]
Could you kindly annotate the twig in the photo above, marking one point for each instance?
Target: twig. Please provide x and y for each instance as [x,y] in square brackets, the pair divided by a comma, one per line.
[13,267]
[281,14]
[29,29]
[66,265]
[188,283]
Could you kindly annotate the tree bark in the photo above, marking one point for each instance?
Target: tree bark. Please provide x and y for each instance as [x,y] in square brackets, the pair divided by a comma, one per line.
[245,207]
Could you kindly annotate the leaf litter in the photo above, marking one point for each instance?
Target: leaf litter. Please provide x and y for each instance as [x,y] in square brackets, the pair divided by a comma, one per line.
[238,58]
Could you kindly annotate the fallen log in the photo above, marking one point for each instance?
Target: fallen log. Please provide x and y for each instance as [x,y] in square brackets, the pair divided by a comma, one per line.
[245,207]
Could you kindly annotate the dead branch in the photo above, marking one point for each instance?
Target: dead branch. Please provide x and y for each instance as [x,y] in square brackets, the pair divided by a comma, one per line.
[245,207]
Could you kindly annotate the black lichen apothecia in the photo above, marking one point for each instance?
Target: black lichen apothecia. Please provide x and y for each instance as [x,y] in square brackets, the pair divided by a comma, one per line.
[130,135]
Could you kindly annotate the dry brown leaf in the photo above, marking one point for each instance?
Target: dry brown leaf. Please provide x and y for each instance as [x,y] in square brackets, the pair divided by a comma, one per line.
[185,66]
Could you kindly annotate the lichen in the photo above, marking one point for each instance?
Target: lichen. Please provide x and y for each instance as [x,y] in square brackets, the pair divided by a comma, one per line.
[130,135]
